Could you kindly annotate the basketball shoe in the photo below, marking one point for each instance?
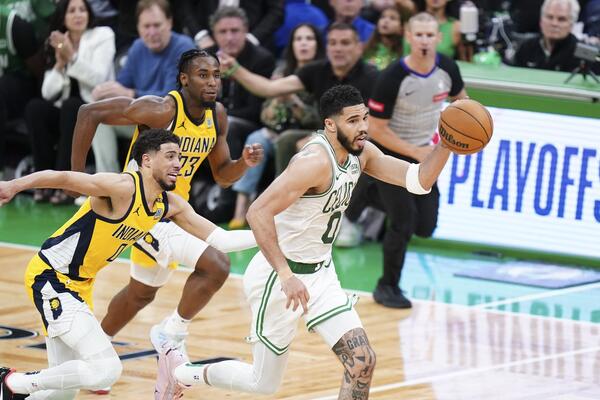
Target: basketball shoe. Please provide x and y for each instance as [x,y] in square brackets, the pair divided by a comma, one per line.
[170,356]
[5,392]
[162,339]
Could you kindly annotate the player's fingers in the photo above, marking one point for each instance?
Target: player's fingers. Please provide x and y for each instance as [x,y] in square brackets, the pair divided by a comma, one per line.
[304,304]
[289,301]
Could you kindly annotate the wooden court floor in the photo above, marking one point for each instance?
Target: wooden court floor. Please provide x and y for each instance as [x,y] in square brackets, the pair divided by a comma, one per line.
[434,351]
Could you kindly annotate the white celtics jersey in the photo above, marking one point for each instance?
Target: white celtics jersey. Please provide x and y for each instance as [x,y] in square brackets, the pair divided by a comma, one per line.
[306,230]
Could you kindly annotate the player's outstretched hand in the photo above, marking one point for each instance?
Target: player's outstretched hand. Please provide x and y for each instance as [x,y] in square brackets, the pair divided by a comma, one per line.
[296,293]
[7,192]
[253,154]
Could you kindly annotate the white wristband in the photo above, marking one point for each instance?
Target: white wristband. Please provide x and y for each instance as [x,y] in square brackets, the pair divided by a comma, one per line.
[228,241]
[413,184]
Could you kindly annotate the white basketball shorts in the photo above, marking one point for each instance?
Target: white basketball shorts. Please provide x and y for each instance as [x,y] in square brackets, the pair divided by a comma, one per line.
[156,255]
[276,326]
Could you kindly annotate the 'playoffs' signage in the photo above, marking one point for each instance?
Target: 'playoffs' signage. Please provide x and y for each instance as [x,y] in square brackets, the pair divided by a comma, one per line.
[535,186]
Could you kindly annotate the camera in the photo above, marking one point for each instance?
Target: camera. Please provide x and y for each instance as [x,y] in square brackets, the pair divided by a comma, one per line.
[587,52]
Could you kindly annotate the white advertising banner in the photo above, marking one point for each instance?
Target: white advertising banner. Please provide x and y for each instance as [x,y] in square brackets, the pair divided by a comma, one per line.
[535,186]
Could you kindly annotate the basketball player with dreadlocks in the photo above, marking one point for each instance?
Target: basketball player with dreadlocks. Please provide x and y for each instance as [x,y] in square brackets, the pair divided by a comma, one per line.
[192,113]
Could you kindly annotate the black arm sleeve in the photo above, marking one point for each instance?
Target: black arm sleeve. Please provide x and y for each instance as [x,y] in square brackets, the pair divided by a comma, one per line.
[451,68]
[385,91]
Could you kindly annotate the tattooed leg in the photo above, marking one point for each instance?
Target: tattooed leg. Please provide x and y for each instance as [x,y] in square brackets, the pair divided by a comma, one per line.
[358,359]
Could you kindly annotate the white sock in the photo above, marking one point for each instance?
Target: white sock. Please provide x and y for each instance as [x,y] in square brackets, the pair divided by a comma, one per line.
[176,324]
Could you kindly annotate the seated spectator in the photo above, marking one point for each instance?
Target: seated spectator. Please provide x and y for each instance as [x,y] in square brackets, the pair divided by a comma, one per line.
[449,27]
[23,65]
[343,65]
[348,11]
[552,49]
[229,26]
[264,17]
[298,12]
[81,57]
[373,10]
[151,68]
[298,111]
[385,45]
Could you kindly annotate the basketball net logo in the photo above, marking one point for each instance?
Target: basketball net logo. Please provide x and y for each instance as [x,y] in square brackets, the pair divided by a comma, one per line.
[450,139]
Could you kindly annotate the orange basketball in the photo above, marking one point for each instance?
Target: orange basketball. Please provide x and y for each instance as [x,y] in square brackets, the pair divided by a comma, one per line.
[465,126]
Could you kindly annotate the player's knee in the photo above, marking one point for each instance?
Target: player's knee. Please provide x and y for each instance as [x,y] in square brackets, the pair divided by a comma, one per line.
[140,295]
[267,388]
[363,364]
[215,266]
[107,372]
[223,266]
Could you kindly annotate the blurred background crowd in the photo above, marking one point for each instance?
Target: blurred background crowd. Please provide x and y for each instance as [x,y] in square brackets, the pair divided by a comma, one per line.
[57,55]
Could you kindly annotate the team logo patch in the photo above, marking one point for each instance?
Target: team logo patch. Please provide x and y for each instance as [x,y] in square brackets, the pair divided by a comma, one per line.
[209,122]
[55,307]
[151,240]
[159,213]
[354,169]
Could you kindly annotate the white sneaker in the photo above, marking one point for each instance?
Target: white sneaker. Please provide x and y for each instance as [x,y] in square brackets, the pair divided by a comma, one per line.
[171,353]
[167,387]
[163,340]
[350,234]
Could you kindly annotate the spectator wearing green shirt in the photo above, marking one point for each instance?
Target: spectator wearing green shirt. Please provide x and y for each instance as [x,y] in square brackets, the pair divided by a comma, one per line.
[385,44]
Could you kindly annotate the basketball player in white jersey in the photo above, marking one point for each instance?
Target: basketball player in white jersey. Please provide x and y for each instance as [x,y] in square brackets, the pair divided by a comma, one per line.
[295,222]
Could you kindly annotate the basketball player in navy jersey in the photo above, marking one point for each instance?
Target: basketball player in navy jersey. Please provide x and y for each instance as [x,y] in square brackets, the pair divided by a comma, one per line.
[193,114]
[60,277]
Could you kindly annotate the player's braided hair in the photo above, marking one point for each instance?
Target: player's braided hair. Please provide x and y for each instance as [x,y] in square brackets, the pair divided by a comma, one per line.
[187,57]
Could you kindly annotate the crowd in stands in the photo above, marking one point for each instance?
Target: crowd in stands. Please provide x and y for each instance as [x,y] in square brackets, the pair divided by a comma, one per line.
[277,58]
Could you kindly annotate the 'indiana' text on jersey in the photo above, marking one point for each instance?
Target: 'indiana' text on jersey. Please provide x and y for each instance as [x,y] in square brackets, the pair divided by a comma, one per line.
[196,142]
[70,259]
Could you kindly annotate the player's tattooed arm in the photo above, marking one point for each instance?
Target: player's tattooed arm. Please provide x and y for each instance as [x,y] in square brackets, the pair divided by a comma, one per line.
[358,359]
